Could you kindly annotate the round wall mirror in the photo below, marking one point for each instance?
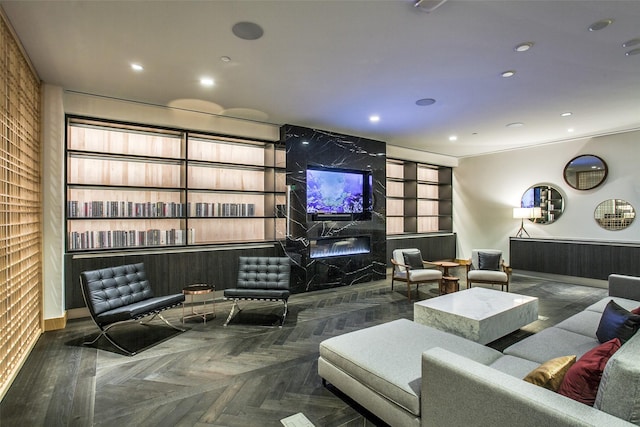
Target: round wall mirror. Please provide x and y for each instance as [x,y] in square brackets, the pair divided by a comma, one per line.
[548,199]
[614,214]
[585,172]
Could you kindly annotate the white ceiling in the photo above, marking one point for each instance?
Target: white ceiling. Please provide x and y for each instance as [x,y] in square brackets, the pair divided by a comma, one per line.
[330,64]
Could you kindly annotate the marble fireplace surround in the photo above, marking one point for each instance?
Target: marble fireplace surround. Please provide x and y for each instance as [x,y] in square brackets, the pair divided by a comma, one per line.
[312,147]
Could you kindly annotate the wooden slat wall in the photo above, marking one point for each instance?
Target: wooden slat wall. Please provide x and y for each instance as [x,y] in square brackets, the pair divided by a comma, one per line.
[20,208]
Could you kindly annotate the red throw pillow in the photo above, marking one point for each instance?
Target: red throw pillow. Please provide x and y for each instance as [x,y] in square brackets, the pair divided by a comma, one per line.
[636,310]
[583,378]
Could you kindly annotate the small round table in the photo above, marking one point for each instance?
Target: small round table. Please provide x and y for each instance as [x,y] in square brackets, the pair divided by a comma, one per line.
[199,289]
[446,265]
[450,284]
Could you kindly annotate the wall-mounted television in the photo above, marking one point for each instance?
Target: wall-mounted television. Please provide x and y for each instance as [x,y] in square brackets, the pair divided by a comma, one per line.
[339,194]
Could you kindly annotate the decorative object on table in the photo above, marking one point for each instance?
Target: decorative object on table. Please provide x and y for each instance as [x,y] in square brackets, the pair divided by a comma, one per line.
[528,213]
[487,266]
[546,197]
[409,267]
[614,214]
[585,172]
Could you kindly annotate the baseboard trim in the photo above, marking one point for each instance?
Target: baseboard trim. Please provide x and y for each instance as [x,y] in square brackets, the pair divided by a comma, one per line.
[55,323]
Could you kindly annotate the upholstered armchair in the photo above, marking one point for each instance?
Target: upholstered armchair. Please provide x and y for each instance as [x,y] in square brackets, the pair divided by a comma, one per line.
[409,267]
[487,266]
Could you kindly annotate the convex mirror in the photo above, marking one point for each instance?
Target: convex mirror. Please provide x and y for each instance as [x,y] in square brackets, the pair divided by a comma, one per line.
[548,199]
[614,214]
[585,172]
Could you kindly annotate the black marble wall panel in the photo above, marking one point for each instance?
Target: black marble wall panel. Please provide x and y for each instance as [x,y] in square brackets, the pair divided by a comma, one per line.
[311,147]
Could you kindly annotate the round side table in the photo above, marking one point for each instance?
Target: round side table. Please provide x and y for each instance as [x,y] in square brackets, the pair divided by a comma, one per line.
[208,307]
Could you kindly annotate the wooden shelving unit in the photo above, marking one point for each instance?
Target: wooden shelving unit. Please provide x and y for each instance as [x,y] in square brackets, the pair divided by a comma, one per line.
[418,198]
[20,209]
[133,186]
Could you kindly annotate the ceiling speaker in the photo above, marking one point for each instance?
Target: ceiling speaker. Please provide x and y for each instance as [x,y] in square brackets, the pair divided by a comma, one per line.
[428,5]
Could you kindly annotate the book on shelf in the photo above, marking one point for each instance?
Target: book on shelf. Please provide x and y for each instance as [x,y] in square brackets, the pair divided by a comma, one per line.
[124,209]
[106,239]
[210,210]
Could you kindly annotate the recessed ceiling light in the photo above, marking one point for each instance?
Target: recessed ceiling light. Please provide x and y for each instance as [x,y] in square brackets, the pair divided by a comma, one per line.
[137,67]
[425,102]
[631,42]
[247,30]
[305,142]
[225,59]
[633,52]
[509,73]
[515,125]
[453,138]
[566,114]
[374,119]
[570,130]
[207,81]
[523,47]
[603,23]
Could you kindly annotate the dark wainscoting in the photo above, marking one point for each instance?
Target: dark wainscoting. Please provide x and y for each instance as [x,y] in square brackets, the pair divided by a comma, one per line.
[433,247]
[579,258]
[167,272]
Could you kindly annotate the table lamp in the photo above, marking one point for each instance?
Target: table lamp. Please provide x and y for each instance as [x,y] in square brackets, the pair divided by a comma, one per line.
[529,213]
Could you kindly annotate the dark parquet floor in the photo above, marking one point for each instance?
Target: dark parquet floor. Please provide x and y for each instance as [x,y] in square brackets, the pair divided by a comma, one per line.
[247,374]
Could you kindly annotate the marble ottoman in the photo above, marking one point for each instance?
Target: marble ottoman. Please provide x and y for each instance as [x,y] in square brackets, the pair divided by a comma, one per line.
[479,314]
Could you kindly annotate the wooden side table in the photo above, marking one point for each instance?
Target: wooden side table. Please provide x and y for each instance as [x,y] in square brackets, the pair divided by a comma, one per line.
[449,285]
[199,289]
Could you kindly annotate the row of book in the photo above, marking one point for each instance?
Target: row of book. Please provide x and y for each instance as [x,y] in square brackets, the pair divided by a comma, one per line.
[129,238]
[224,209]
[121,209]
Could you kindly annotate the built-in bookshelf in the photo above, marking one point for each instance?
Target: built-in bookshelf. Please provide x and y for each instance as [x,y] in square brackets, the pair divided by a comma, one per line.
[133,186]
[418,198]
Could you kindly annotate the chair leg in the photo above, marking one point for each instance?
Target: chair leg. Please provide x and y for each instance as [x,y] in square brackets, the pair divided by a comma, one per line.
[103,333]
[164,320]
[284,315]
[233,307]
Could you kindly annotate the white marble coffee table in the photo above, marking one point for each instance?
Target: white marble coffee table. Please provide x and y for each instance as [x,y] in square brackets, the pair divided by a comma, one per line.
[479,314]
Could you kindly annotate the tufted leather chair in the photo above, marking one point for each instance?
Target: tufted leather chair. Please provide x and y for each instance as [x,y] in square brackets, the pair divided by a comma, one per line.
[120,294]
[261,278]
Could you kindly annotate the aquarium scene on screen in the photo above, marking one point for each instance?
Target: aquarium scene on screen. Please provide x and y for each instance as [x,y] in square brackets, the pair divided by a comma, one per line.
[334,191]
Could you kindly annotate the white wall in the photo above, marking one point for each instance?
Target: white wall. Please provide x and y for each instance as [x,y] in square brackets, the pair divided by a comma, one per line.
[487,188]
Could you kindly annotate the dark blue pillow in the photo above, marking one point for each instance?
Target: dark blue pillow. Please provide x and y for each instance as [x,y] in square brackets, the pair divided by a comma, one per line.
[489,261]
[617,322]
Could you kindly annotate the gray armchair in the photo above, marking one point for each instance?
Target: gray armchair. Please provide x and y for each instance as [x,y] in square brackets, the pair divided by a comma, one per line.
[487,266]
[261,278]
[409,267]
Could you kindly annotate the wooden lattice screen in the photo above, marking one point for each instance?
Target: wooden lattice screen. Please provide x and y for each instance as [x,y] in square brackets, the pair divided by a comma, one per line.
[20,208]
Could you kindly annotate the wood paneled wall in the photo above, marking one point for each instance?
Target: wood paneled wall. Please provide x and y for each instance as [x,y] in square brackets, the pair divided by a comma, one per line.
[20,207]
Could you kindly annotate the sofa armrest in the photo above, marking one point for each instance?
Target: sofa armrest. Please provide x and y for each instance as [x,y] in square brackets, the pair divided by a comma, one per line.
[624,286]
[457,391]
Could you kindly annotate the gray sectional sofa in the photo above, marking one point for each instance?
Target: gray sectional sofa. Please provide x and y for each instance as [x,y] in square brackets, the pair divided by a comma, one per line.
[409,374]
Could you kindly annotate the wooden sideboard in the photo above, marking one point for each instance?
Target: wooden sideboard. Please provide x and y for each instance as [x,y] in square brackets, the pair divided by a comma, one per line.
[593,259]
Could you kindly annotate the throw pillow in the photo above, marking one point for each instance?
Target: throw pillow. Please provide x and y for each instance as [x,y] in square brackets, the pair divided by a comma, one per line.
[551,373]
[636,310]
[617,322]
[582,380]
[489,261]
[413,259]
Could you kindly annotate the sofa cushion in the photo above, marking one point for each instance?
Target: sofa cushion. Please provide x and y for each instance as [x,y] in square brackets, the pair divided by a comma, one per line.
[552,342]
[487,275]
[489,260]
[387,357]
[619,391]
[583,323]
[514,366]
[551,373]
[617,322]
[582,380]
[599,306]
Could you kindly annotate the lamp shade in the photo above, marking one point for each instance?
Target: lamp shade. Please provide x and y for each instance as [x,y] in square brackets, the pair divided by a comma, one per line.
[527,212]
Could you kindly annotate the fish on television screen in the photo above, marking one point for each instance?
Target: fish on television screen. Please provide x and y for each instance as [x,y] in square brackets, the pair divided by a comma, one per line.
[335,191]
